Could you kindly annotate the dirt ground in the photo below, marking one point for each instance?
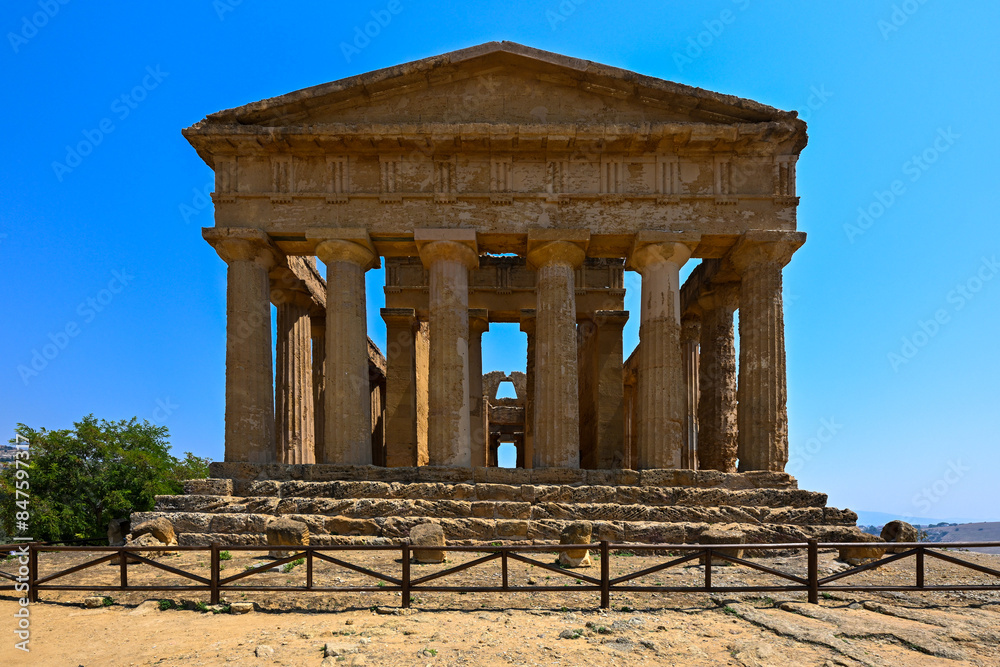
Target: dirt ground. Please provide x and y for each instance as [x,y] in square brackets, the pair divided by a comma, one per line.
[550,628]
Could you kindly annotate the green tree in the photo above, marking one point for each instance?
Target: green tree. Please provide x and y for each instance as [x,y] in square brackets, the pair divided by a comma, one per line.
[83,477]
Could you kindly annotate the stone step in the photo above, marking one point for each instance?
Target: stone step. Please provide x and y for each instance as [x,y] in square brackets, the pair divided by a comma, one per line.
[531,493]
[241,474]
[470,531]
[206,509]
[378,520]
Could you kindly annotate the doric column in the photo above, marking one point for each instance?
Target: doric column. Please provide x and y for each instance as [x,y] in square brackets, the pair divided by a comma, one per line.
[658,257]
[249,388]
[448,256]
[400,387]
[294,418]
[528,327]
[762,416]
[319,384]
[586,368]
[690,334]
[602,398]
[557,409]
[717,379]
[348,391]
[478,325]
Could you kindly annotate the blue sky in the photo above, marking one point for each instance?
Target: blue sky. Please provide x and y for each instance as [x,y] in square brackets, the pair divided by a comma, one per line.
[103,261]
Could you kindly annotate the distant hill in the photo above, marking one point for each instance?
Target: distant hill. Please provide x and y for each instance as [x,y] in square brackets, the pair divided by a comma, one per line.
[866,518]
[984,531]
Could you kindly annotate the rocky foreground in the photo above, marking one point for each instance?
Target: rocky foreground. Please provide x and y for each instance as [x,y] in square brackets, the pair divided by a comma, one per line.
[897,629]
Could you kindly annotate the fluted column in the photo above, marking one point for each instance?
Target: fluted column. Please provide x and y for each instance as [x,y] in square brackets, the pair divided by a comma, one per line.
[660,386]
[690,334]
[448,257]
[762,415]
[717,379]
[294,418]
[319,385]
[528,327]
[400,387]
[557,407]
[478,325]
[249,389]
[348,393]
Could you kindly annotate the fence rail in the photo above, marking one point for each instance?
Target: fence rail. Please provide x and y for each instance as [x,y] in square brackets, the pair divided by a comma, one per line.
[215,584]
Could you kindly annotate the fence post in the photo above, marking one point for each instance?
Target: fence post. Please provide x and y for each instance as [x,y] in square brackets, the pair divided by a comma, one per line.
[33,571]
[920,567]
[813,564]
[215,573]
[503,566]
[406,575]
[123,567]
[309,569]
[708,569]
[605,575]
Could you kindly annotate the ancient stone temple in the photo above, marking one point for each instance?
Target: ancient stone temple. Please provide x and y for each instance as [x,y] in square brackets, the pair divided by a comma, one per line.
[502,184]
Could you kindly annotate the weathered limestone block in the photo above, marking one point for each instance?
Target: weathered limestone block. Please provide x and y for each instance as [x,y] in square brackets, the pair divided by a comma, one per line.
[235,524]
[497,492]
[860,555]
[578,532]
[286,532]
[160,528]
[117,530]
[656,533]
[340,525]
[208,487]
[898,531]
[207,539]
[428,535]
[723,534]
[511,530]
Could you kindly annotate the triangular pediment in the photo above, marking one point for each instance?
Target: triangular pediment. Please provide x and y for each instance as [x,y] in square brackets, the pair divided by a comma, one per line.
[500,83]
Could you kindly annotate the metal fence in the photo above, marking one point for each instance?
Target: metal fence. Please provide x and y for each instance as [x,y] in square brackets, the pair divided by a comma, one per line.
[604,584]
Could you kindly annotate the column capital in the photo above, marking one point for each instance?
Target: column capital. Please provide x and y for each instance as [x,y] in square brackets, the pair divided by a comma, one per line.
[399,317]
[290,296]
[242,244]
[344,245]
[318,326]
[557,246]
[528,320]
[610,318]
[720,295]
[690,328]
[650,248]
[479,321]
[447,244]
[756,247]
